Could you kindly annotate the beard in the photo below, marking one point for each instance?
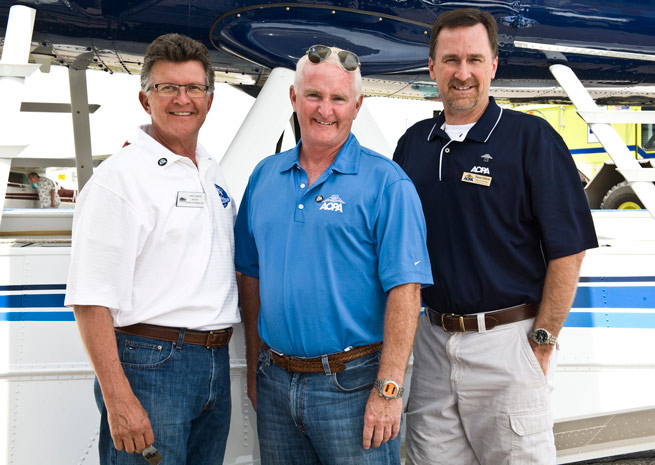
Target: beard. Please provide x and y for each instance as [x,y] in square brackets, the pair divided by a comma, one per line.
[462,102]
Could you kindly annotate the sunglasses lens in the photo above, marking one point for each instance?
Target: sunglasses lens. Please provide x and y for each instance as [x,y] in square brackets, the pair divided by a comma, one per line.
[349,60]
[318,53]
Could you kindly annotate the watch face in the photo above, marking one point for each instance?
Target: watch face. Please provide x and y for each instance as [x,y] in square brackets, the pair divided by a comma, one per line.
[540,336]
[390,389]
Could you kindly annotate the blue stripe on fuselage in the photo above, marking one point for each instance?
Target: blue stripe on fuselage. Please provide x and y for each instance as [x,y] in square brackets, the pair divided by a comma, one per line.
[587,297]
[37,316]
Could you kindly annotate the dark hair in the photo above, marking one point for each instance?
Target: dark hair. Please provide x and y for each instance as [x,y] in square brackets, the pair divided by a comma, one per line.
[176,48]
[465,17]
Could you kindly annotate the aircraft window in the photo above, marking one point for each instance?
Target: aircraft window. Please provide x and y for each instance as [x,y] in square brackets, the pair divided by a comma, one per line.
[648,132]
[648,136]
[18,178]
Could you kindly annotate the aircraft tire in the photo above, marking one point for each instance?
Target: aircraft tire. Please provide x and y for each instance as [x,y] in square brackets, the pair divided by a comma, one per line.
[621,197]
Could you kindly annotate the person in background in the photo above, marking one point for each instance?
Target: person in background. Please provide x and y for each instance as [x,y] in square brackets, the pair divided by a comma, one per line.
[330,241]
[47,189]
[507,228]
[152,277]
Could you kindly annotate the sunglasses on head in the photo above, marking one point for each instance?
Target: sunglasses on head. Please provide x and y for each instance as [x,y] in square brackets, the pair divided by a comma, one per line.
[318,53]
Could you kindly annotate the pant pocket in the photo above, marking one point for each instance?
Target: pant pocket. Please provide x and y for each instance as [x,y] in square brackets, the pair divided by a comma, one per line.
[359,375]
[532,437]
[143,353]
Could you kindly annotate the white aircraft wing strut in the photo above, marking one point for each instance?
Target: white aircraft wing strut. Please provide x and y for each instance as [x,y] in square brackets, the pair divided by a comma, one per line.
[640,179]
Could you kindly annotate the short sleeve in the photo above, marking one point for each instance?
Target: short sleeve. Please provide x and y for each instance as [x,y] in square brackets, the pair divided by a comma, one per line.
[246,257]
[107,232]
[401,237]
[557,198]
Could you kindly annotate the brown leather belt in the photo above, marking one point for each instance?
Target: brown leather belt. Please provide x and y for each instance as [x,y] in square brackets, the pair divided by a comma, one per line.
[336,361]
[215,338]
[461,323]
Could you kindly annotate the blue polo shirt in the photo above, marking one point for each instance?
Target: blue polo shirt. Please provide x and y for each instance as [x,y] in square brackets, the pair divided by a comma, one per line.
[498,206]
[327,254]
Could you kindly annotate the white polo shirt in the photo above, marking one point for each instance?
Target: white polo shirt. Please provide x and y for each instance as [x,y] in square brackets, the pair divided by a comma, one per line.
[153,240]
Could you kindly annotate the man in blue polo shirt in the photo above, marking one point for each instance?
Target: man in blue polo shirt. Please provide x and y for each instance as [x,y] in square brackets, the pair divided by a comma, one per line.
[330,241]
[508,225]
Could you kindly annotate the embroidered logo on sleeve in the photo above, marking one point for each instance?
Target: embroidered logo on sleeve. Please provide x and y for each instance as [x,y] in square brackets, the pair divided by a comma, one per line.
[225,199]
[333,203]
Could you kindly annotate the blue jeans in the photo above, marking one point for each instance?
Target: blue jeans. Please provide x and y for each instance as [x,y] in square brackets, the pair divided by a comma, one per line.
[317,418]
[186,391]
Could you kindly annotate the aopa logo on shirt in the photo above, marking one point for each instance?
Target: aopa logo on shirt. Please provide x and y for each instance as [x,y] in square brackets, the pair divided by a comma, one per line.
[333,203]
[480,170]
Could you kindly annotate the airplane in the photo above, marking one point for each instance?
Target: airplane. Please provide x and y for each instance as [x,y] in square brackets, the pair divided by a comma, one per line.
[603,400]
[604,42]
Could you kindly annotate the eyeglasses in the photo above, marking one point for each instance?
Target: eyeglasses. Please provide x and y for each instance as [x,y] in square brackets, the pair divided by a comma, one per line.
[167,89]
[318,53]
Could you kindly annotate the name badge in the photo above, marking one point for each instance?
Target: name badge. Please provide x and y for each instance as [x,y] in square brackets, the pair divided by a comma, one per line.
[190,199]
[478,179]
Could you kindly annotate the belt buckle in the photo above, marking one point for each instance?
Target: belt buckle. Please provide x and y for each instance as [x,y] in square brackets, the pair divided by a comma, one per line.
[462,327]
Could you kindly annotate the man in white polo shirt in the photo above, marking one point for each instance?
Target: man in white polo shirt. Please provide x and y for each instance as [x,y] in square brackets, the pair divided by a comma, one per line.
[152,278]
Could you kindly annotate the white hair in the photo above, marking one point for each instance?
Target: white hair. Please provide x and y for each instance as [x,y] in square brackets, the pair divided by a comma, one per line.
[333,59]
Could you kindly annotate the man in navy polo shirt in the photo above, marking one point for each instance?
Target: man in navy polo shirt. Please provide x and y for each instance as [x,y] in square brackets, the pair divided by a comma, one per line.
[330,241]
[508,225]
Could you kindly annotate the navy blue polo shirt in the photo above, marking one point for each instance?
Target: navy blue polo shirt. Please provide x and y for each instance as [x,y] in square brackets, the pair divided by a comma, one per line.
[498,206]
[327,254]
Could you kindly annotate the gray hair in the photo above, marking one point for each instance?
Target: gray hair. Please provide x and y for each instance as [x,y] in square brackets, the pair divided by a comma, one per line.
[334,59]
[176,48]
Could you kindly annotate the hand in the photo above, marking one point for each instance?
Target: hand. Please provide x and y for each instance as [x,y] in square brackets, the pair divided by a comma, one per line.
[543,353]
[129,424]
[381,419]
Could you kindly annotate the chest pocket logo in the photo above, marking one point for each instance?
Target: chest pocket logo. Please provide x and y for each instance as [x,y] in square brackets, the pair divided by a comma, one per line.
[333,203]
[480,170]
[225,199]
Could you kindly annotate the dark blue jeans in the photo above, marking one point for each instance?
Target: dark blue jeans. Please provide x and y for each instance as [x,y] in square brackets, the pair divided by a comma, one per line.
[186,391]
[317,418]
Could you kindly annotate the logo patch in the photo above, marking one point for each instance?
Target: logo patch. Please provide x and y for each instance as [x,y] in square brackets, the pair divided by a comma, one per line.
[480,170]
[333,203]
[486,157]
[225,199]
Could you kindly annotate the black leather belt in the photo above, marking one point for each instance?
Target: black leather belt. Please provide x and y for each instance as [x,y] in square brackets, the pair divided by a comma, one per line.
[461,323]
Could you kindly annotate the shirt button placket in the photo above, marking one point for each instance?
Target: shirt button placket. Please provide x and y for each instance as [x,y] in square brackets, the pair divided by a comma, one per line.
[299,214]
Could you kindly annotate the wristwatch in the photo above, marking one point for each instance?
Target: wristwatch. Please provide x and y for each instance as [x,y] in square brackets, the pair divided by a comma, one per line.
[541,336]
[388,389]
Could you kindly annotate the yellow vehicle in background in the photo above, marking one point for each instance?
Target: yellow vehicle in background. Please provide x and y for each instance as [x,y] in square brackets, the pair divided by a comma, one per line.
[604,185]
